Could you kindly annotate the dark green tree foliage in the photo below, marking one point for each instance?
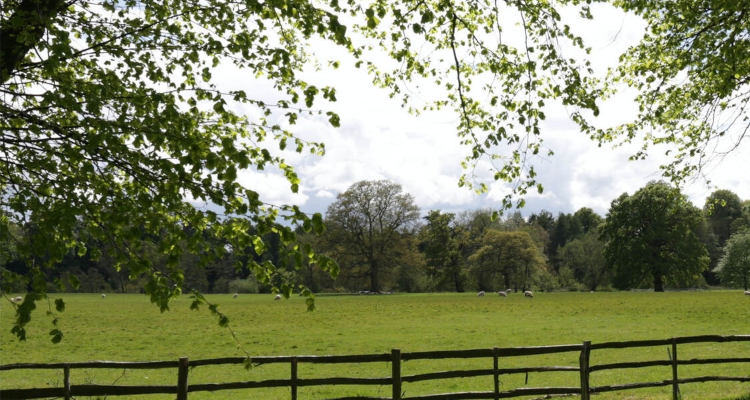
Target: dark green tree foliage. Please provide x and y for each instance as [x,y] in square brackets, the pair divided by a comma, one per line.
[711,242]
[440,246]
[566,228]
[411,272]
[545,219]
[367,225]
[471,227]
[722,208]
[584,258]
[734,266]
[651,236]
[742,224]
[588,220]
[506,260]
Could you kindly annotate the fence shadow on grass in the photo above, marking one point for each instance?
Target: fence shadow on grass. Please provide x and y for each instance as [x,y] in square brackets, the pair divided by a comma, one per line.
[397,380]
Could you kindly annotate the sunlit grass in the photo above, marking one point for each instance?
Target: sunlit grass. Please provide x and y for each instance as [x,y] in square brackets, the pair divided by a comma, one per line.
[128,328]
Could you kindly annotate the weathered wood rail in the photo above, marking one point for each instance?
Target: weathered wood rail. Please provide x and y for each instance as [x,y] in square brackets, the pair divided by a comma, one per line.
[397,379]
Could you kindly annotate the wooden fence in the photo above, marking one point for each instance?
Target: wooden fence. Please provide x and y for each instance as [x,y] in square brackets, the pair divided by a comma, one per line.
[397,379]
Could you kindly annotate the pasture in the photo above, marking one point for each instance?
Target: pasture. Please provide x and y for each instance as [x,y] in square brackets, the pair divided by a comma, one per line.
[128,328]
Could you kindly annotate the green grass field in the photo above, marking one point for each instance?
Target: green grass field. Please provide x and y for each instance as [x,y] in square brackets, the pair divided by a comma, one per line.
[128,328]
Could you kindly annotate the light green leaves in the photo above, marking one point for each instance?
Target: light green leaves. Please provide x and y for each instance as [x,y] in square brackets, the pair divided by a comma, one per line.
[691,71]
[499,79]
[118,132]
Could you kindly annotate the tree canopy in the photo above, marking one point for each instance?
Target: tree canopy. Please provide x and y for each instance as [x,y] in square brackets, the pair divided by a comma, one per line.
[584,258]
[441,244]
[369,225]
[652,235]
[734,266]
[691,72]
[506,260]
[723,208]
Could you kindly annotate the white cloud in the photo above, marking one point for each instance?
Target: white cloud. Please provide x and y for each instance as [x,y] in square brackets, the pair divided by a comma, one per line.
[378,139]
[272,186]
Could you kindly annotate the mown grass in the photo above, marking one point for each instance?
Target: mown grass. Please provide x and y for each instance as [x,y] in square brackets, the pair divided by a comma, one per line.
[128,328]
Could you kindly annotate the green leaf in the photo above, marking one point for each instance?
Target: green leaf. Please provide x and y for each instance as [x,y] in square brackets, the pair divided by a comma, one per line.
[73,280]
[57,335]
[59,305]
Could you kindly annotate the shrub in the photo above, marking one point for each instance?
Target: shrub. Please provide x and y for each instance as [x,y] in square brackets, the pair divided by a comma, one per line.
[248,285]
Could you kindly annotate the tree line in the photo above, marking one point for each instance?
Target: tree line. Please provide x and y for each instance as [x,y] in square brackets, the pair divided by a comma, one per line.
[654,238]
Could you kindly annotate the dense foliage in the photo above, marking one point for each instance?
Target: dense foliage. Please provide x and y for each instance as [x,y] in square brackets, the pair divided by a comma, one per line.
[734,266]
[369,226]
[375,224]
[652,235]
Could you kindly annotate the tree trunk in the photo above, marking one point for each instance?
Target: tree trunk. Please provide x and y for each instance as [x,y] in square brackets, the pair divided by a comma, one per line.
[526,278]
[374,277]
[658,283]
[457,282]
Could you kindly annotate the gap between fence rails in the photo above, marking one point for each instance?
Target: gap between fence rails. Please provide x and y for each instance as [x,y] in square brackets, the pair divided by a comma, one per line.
[396,379]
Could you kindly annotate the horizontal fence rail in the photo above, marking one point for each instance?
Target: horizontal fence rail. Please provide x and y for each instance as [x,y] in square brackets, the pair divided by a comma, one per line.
[396,358]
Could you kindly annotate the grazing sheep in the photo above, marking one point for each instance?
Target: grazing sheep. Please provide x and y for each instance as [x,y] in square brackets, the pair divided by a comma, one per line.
[509,291]
[278,297]
[747,293]
[480,294]
[528,294]
[502,294]
[104,295]
[16,299]
[234,296]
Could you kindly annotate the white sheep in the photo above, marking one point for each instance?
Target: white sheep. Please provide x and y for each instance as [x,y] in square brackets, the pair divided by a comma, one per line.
[528,294]
[502,294]
[104,295]
[509,291]
[480,294]
[235,295]
[747,293]
[278,297]
[16,299]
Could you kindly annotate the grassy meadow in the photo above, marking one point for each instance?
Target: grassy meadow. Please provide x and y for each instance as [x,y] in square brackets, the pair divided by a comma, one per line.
[128,328]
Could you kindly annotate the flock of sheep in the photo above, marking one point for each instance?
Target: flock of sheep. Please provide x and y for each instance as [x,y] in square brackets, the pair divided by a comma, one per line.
[502,293]
[505,293]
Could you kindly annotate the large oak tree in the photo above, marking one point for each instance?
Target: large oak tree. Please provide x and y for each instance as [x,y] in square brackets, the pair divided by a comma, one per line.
[368,226]
[652,235]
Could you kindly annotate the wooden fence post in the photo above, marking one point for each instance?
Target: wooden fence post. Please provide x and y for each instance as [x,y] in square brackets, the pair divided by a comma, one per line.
[294,378]
[495,366]
[182,379]
[396,373]
[675,384]
[584,366]
[66,381]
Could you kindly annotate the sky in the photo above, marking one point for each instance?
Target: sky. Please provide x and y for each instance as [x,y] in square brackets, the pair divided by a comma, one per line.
[380,140]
